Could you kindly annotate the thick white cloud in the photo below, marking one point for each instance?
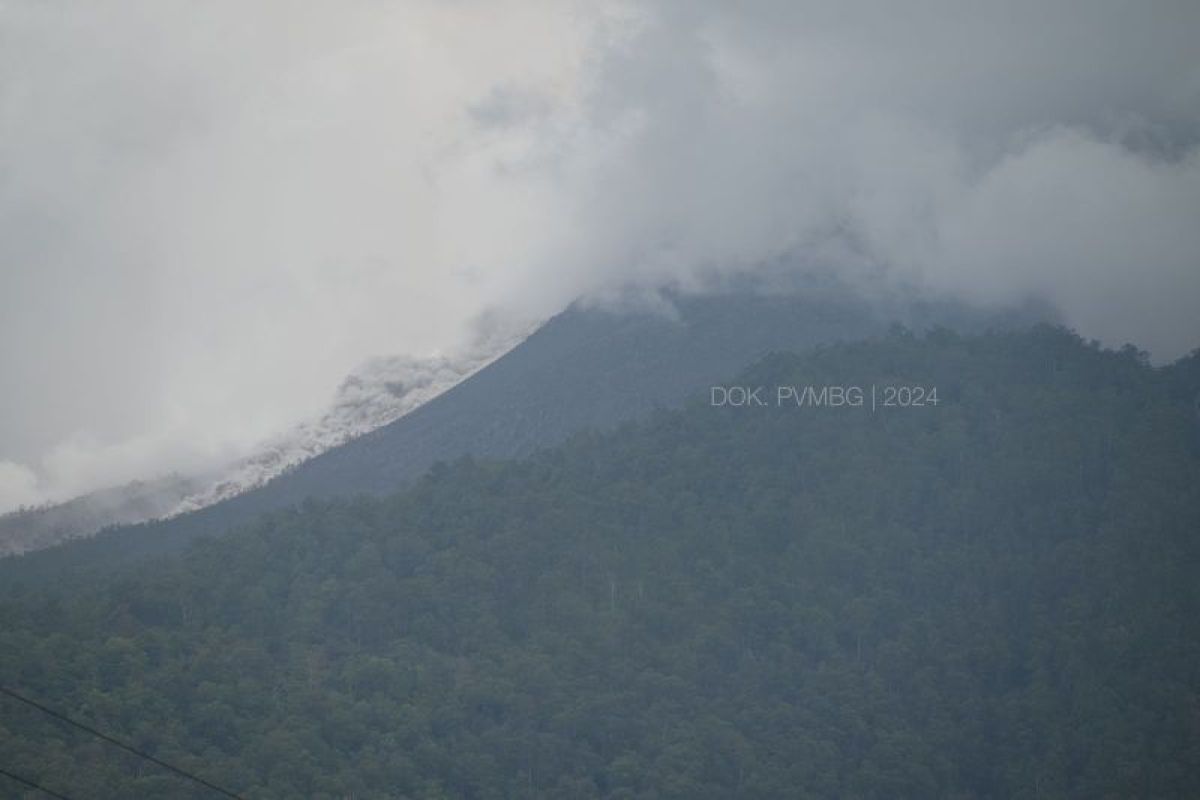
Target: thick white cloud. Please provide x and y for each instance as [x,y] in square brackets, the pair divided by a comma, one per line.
[211,212]
[996,152]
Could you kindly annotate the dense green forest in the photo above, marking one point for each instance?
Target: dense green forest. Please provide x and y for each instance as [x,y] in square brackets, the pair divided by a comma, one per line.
[992,597]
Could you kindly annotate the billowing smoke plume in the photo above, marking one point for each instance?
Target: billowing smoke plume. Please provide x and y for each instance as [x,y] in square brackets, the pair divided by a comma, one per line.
[211,213]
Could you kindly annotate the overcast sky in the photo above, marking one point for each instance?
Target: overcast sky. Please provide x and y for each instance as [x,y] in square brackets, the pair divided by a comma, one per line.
[210,212]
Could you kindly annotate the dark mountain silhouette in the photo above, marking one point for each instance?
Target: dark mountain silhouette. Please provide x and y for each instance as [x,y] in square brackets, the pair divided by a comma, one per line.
[587,368]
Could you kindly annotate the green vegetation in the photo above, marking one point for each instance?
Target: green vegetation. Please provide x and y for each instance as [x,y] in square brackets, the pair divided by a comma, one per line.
[992,598]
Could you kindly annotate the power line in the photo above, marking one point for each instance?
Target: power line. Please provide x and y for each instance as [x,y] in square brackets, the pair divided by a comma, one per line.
[33,785]
[130,748]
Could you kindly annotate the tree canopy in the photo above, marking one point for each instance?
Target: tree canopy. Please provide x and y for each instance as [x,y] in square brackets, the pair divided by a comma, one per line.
[992,597]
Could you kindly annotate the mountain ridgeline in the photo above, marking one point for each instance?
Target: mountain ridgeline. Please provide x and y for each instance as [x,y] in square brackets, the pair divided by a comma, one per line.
[989,597]
[586,369]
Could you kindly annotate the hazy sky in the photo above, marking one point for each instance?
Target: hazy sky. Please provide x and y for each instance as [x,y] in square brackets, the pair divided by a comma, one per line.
[210,212]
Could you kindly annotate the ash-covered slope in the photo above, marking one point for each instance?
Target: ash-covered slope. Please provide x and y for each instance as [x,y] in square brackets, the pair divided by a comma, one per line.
[45,526]
[379,392]
[584,369]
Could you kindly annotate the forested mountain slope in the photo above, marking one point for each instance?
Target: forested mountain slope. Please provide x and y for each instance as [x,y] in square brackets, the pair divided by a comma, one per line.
[585,369]
[992,597]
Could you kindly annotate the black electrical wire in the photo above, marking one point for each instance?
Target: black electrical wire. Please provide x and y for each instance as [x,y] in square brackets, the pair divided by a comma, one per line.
[129,748]
[33,785]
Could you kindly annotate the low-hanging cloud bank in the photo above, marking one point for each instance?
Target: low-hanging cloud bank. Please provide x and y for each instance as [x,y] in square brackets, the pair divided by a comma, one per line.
[990,152]
[210,213]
